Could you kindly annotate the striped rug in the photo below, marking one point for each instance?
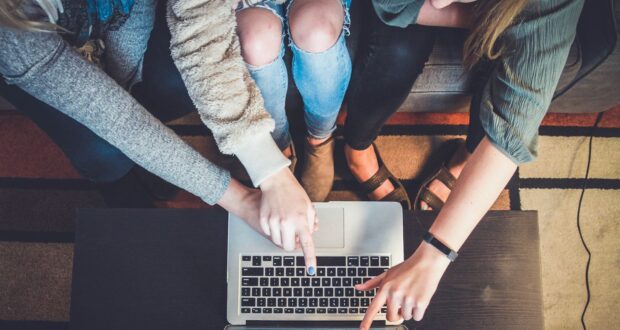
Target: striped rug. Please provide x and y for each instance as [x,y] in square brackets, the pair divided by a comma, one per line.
[39,192]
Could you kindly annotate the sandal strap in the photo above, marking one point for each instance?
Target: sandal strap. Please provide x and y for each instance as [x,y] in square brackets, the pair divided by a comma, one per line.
[398,195]
[431,199]
[446,177]
[375,181]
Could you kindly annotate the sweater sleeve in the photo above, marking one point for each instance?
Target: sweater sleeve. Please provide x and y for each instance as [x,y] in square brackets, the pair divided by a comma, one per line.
[520,88]
[43,65]
[206,50]
[400,13]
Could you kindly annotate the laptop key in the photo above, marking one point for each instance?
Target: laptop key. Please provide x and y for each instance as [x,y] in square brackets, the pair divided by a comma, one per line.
[269,271]
[370,293]
[305,281]
[374,261]
[339,292]
[256,292]
[363,310]
[331,272]
[299,261]
[346,282]
[300,272]
[274,281]
[290,271]
[383,310]
[331,261]
[248,302]
[313,302]
[321,271]
[249,281]
[299,310]
[318,292]
[295,281]
[245,292]
[323,302]
[264,281]
[351,272]
[352,310]
[326,281]
[287,292]
[284,281]
[342,310]
[256,261]
[256,311]
[385,261]
[353,261]
[344,302]
[342,272]
[333,302]
[365,302]
[288,311]
[292,302]
[266,258]
[329,292]
[297,292]
[289,261]
[281,302]
[321,310]
[271,302]
[336,281]
[261,302]
[357,281]
[277,261]
[302,302]
[365,261]
[349,292]
[245,310]
[246,258]
[310,311]
[359,293]
[279,271]
[308,292]
[355,302]
[332,310]
[266,292]
[276,292]
[375,271]
[277,310]
[316,281]
[361,272]
[267,310]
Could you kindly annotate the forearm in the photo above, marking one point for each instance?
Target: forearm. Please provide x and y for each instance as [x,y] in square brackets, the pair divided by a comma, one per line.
[206,50]
[486,174]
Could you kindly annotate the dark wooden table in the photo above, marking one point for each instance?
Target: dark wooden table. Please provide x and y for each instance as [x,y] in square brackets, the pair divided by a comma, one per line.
[166,269]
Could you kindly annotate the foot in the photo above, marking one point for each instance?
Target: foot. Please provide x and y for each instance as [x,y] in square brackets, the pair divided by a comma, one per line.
[455,167]
[364,164]
[317,173]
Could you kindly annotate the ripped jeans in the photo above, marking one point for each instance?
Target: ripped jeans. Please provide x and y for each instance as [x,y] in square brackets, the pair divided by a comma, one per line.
[322,79]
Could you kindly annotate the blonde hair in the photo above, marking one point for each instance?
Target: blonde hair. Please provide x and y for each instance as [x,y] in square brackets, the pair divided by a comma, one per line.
[12,15]
[492,18]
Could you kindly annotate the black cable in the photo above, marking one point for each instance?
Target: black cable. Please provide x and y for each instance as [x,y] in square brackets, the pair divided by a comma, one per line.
[583,242]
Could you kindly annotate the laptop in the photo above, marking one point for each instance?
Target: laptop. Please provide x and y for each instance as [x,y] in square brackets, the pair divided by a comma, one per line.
[356,241]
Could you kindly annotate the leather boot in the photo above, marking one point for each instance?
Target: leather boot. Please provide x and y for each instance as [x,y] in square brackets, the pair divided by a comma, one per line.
[317,173]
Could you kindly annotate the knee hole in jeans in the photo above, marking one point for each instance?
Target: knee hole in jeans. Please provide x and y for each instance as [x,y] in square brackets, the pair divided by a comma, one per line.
[260,35]
[315,26]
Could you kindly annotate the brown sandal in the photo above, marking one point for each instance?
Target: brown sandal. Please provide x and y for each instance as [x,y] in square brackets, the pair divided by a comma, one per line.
[399,194]
[443,175]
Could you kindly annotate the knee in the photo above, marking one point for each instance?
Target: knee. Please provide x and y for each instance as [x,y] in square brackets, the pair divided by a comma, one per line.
[260,35]
[316,24]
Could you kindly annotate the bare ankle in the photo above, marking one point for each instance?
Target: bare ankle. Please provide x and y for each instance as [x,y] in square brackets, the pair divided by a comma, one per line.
[315,142]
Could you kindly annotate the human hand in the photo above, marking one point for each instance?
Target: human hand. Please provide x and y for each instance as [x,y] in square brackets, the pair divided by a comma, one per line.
[408,287]
[288,216]
[243,202]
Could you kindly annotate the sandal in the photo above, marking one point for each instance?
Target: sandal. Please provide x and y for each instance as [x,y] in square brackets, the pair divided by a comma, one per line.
[443,175]
[399,194]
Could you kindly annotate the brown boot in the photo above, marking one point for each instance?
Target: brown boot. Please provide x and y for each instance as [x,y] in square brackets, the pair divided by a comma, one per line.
[317,173]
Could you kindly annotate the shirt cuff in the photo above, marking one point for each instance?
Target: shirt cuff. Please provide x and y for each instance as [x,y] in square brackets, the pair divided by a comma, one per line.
[261,157]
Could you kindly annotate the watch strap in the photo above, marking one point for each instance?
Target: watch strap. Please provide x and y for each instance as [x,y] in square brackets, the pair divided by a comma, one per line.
[432,240]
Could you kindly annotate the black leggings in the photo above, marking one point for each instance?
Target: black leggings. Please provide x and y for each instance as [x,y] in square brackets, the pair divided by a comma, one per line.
[388,61]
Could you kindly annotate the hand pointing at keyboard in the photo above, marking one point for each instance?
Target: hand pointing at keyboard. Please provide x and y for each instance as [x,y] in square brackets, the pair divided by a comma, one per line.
[288,216]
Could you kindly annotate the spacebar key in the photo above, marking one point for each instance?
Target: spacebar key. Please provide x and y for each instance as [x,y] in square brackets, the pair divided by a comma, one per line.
[331,261]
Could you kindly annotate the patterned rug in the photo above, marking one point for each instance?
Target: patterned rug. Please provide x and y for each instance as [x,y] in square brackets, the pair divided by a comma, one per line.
[39,192]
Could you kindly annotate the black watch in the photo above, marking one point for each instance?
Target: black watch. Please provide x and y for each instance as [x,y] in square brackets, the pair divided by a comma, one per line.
[430,239]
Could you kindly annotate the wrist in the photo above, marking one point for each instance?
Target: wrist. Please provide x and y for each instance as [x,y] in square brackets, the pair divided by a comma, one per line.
[431,256]
[276,179]
[234,195]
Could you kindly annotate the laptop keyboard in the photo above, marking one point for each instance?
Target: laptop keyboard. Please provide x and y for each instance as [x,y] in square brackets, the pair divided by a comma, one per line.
[279,284]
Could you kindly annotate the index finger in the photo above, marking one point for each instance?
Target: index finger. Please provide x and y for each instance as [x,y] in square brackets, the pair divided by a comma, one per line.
[307,246]
[373,309]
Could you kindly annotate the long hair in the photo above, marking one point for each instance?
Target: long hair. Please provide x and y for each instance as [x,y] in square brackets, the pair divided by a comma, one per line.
[492,18]
[12,15]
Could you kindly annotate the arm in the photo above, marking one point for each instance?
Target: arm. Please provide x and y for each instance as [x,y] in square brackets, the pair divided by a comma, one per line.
[402,13]
[514,101]
[206,50]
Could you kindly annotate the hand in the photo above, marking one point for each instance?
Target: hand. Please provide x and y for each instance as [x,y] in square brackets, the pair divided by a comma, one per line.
[288,216]
[244,202]
[408,287]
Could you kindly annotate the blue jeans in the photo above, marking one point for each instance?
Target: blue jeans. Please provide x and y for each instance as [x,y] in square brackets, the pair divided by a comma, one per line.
[321,78]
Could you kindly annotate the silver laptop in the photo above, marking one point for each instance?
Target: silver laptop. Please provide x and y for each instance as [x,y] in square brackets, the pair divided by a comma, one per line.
[356,241]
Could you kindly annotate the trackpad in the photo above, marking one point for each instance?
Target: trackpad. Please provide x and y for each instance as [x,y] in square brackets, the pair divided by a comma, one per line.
[331,228]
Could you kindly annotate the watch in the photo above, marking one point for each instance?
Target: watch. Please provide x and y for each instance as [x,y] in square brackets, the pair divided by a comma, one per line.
[430,239]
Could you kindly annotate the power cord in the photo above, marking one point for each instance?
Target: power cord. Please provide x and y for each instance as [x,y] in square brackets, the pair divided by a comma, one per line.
[583,242]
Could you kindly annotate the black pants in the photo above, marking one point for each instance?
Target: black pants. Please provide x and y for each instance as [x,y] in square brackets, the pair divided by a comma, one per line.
[388,61]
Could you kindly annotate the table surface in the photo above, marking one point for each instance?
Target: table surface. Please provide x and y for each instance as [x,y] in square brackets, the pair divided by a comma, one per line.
[166,269]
